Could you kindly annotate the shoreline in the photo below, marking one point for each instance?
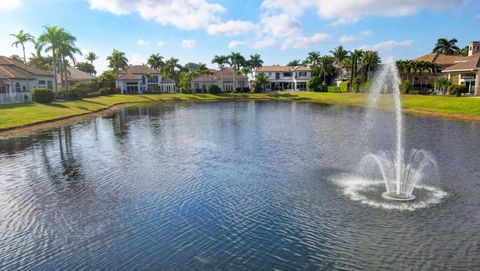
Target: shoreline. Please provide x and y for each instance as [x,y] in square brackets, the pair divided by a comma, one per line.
[30,128]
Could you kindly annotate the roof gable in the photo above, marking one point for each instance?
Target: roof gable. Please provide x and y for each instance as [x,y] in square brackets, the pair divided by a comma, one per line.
[6,61]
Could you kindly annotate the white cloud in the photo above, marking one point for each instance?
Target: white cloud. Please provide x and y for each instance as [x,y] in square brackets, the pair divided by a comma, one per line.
[184,14]
[350,11]
[350,38]
[282,25]
[235,43]
[143,42]
[9,4]
[232,28]
[264,43]
[160,43]
[387,45]
[302,42]
[188,44]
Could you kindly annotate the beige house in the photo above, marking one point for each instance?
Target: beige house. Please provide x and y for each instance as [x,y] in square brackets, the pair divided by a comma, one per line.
[224,79]
[466,71]
[427,78]
[287,78]
[143,79]
[74,76]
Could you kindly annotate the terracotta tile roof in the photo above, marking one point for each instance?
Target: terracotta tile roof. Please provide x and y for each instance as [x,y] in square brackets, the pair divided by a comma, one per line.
[5,61]
[217,75]
[440,59]
[283,68]
[141,69]
[11,72]
[78,75]
[467,63]
[130,76]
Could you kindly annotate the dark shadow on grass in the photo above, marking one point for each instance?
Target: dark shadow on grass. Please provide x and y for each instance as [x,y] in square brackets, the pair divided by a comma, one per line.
[94,102]
[57,105]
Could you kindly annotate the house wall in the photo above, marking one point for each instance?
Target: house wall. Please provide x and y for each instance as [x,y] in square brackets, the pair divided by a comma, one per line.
[282,77]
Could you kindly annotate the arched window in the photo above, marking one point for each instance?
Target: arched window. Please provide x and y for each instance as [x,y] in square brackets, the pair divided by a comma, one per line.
[17,87]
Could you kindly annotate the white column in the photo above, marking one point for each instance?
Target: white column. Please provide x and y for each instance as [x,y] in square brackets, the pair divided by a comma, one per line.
[477,84]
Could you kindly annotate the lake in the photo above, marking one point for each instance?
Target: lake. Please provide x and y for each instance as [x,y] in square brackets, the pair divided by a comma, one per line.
[231,186]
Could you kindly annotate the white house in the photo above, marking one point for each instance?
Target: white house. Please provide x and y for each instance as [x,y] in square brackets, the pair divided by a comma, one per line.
[16,82]
[143,79]
[222,78]
[287,78]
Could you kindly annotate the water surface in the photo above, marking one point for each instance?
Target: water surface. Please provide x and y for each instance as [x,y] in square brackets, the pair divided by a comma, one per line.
[230,186]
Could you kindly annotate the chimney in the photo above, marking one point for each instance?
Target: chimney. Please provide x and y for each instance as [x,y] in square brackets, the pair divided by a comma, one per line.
[473,48]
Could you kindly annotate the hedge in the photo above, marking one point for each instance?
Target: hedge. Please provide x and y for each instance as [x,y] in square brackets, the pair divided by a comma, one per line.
[43,95]
[333,89]
[457,90]
[213,89]
[344,87]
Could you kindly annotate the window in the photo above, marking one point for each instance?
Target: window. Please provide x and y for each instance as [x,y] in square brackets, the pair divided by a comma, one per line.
[49,84]
[277,76]
[287,74]
[3,89]
[302,74]
[24,89]
[132,87]
[17,87]
[153,79]
[41,82]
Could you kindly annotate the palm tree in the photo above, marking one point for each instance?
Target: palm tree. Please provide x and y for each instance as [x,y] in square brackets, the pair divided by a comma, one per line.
[91,56]
[326,67]
[20,39]
[339,54]
[295,62]
[50,40]
[255,61]
[236,61]
[260,81]
[117,61]
[155,61]
[67,50]
[313,58]
[220,60]
[356,59]
[446,46]
[370,60]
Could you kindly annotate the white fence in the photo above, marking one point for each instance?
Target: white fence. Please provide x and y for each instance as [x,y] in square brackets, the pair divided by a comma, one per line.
[15,98]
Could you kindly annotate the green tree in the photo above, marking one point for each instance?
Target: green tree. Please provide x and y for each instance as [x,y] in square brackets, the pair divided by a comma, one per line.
[86,67]
[21,38]
[313,58]
[370,60]
[326,68]
[295,62]
[107,79]
[236,61]
[221,61]
[443,83]
[315,84]
[260,81]
[446,46]
[155,61]
[51,40]
[91,56]
[117,61]
[356,57]
[66,51]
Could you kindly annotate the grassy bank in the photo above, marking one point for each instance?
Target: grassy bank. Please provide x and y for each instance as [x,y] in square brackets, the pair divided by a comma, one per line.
[12,116]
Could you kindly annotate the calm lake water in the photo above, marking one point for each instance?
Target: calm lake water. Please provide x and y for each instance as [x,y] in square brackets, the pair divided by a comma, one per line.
[230,186]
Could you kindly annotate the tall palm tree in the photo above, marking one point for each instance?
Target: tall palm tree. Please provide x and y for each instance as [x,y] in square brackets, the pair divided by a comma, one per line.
[326,68]
[356,59]
[220,60]
[339,54]
[313,58]
[255,61]
[91,56]
[370,60]
[117,60]
[50,40]
[295,62]
[446,46]
[21,38]
[67,50]
[155,61]
[236,61]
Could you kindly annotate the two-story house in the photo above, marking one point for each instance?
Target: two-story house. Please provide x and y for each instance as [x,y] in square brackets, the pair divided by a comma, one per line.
[285,78]
[224,79]
[143,79]
[17,81]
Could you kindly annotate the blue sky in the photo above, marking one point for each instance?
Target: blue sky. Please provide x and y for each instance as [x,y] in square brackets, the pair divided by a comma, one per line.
[278,30]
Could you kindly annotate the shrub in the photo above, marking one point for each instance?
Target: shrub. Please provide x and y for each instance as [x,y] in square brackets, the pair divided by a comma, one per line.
[72,93]
[109,91]
[315,84]
[406,87]
[244,89]
[43,95]
[213,89]
[344,87]
[457,90]
[88,86]
[107,79]
[333,89]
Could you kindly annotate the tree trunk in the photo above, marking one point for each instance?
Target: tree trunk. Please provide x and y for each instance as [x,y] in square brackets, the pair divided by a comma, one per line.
[54,70]
[26,69]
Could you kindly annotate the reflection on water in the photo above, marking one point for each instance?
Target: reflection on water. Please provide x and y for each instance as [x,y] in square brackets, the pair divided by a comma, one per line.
[219,186]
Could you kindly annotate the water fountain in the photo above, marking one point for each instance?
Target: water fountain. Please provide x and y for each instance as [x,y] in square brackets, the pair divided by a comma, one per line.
[399,174]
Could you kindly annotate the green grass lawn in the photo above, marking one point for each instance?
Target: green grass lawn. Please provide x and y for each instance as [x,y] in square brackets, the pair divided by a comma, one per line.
[24,114]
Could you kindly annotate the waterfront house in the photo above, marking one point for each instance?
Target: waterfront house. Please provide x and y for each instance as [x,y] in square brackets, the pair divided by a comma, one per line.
[466,71]
[224,79]
[17,81]
[74,76]
[427,77]
[285,78]
[143,79]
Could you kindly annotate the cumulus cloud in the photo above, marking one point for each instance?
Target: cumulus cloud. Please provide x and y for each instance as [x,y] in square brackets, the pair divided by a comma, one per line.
[387,45]
[264,43]
[281,25]
[188,44]
[184,14]
[232,28]
[235,43]
[350,11]
[302,41]
[350,38]
[9,4]
[143,42]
